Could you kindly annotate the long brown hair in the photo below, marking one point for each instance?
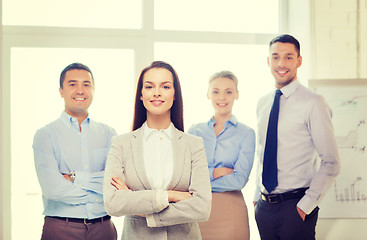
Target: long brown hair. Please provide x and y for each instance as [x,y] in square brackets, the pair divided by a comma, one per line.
[140,112]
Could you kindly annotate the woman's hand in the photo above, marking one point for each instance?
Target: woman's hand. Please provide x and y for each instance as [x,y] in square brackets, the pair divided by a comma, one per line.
[119,184]
[222,171]
[176,196]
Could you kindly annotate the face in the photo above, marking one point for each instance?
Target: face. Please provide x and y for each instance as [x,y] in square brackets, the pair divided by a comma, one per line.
[158,92]
[222,92]
[283,61]
[77,91]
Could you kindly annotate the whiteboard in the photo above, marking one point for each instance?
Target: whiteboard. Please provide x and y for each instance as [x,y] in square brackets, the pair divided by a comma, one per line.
[347,197]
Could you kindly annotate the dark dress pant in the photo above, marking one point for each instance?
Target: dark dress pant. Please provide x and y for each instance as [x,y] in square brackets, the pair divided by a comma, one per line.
[56,229]
[281,221]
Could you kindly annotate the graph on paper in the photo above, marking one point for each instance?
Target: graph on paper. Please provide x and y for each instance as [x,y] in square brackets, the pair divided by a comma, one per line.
[347,197]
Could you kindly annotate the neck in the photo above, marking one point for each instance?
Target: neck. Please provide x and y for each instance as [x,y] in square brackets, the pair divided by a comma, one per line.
[158,121]
[80,116]
[222,118]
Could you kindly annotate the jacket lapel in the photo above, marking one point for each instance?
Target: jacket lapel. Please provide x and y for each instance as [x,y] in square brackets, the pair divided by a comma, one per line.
[178,151]
[138,156]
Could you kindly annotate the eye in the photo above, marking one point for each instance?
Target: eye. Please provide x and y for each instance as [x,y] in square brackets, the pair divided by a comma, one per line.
[215,92]
[229,92]
[72,84]
[166,87]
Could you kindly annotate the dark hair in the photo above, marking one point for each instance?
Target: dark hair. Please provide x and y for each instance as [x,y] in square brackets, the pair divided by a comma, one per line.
[73,66]
[140,112]
[285,38]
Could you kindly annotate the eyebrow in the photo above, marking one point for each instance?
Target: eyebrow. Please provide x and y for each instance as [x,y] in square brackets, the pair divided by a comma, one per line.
[285,54]
[75,81]
[160,83]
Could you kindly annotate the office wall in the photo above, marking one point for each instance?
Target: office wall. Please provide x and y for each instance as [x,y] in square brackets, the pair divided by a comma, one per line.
[338,43]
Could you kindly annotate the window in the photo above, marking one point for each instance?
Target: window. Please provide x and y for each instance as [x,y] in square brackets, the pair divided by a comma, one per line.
[217,16]
[71,13]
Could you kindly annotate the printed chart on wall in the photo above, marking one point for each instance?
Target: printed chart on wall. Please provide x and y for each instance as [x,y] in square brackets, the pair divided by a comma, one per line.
[347,197]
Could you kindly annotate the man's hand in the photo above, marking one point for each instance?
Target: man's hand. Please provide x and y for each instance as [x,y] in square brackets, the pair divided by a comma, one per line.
[176,196]
[222,171]
[119,184]
[301,213]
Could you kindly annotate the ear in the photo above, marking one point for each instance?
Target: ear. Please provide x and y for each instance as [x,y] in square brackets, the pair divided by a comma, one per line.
[299,61]
[267,59]
[237,95]
[207,94]
[141,97]
[61,92]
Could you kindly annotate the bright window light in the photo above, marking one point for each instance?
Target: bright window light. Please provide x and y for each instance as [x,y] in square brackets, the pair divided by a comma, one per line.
[74,13]
[249,16]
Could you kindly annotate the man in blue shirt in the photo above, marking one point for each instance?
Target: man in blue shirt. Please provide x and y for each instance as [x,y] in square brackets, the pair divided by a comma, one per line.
[70,155]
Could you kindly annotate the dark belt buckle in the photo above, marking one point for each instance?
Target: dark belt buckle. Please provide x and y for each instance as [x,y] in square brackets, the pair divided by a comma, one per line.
[86,223]
[273,199]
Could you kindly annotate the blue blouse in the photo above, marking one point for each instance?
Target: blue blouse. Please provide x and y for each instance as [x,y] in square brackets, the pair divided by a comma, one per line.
[234,147]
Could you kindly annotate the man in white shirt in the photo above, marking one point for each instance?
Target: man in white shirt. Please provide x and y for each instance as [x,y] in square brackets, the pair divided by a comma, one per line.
[286,199]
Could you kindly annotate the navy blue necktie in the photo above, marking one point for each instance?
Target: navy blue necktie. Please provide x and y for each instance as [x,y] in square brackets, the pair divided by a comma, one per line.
[270,167]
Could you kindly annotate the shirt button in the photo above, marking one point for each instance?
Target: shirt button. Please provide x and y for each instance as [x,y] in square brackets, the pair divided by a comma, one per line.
[86,166]
[96,200]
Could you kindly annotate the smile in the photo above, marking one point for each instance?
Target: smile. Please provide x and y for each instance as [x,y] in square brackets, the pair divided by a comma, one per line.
[222,104]
[157,102]
[282,72]
[79,99]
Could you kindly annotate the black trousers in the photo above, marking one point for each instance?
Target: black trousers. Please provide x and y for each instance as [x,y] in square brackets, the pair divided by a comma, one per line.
[281,221]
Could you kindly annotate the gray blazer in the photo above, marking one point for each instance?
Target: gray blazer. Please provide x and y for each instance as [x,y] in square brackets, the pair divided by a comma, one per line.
[190,173]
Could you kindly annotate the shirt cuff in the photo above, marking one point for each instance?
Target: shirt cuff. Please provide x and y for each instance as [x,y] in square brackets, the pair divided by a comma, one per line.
[306,204]
[162,201]
[81,179]
[211,170]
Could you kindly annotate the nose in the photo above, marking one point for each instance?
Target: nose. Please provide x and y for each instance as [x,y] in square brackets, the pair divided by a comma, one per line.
[80,89]
[222,96]
[281,62]
[157,92]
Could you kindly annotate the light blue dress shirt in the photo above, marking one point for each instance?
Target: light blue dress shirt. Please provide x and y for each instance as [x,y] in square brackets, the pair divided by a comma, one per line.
[233,148]
[59,148]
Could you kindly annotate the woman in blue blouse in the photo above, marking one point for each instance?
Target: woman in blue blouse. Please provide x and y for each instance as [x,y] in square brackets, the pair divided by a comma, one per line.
[229,147]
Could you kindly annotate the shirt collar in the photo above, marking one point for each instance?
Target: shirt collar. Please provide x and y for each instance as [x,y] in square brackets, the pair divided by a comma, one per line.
[290,88]
[233,120]
[69,120]
[148,132]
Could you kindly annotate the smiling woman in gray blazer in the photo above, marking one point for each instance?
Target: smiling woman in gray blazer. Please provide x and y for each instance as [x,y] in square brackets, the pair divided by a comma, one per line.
[157,175]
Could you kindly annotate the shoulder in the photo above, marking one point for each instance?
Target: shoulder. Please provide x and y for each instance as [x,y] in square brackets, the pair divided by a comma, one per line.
[244,129]
[122,138]
[104,127]
[198,128]
[265,98]
[310,98]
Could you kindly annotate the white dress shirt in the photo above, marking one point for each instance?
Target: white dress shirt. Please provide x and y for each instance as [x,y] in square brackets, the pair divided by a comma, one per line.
[158,156]
[305,132]
[158,161]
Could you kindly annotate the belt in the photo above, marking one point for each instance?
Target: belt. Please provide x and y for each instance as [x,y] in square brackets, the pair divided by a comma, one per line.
[84,220]
[280,197]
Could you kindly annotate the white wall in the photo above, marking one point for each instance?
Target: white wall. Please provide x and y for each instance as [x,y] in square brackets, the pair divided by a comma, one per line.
[327,30]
